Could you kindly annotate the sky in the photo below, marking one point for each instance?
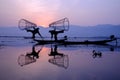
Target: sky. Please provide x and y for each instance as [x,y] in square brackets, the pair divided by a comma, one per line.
[43,12]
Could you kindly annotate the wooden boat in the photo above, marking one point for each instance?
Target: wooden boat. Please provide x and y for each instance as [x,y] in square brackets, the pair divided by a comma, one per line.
[66,42]
[89,42]
[49,41]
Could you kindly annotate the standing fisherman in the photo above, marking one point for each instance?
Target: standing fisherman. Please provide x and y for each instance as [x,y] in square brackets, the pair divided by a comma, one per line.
[24,24]
[34,32]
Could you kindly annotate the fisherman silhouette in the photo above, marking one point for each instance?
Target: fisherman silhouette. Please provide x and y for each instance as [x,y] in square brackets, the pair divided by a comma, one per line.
[34,31]
[54,34]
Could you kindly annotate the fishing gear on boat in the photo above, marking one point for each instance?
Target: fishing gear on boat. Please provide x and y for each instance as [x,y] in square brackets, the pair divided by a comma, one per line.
[62,24]
[24,24]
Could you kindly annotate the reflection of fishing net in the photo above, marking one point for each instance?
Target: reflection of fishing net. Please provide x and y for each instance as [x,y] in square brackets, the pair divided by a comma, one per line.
[61,61]
[24,60]
[62,24]
[25,24]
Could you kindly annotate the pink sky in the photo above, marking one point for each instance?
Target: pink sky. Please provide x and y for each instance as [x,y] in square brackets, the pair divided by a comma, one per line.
[43,12]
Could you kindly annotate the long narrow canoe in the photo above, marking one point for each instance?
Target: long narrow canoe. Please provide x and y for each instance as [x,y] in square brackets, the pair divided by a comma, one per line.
[66,42]
[49,41]
[89,42]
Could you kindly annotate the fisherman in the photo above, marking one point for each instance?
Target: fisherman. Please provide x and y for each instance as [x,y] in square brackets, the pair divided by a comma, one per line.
[54,34]
[34,31]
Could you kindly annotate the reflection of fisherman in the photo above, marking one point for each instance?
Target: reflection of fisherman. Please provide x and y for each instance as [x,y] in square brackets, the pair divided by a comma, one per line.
[29,58]
[58,59]
[34,54]
[54,52]
[35,31]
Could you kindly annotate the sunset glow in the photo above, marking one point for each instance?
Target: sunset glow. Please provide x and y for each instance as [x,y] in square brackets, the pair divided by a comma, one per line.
[39,13]
[43,12]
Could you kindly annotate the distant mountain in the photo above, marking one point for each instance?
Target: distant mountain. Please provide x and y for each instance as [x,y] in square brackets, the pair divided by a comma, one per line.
[102,30]
[12,31]
[93,31]
[74,31]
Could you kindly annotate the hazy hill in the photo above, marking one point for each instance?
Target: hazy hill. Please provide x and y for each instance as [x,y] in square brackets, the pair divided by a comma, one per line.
[89,31]
[74,31]
[93,31]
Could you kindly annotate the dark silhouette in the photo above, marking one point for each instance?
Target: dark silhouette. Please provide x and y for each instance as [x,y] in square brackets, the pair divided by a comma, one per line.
[54,52]
[112,37]
[29,26]
[111,48]
[59,26]
[97,54]
[30,57]
[54,34]
[34,31]
[0,46]
[34,54]
[58,59]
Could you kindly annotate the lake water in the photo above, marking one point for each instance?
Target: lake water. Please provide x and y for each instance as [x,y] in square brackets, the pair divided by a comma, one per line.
[21,59]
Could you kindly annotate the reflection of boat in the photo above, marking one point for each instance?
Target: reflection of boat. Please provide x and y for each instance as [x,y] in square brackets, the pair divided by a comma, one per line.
[66,42]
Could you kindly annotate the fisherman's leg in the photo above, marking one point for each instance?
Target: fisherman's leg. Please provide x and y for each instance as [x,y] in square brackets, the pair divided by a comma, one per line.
[33,35]
[55,37]
[28,30]
[40,35]
[51,36]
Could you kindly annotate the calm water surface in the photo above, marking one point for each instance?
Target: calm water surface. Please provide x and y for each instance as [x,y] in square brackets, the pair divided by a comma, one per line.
[21,59]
